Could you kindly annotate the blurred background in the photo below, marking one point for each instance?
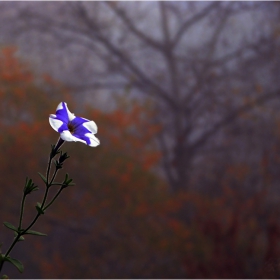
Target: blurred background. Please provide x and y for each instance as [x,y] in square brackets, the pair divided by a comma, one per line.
[186,96]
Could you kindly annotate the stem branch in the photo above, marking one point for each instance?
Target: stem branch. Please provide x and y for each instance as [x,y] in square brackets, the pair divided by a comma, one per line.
[48,183]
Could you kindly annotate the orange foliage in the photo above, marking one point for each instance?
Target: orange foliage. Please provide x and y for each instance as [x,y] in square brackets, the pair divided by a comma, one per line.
[119,221]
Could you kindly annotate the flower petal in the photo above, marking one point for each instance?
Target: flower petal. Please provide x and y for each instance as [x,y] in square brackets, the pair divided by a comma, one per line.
[55,123]
[78,121]
[88,137]
[71,116]
[91,126]
[80,131]
[67,136]
[60,106]
[63,128]
[63,114]
[94,141]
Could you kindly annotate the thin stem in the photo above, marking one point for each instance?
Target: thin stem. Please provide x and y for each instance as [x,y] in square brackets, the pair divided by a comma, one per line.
[45,196]
[43,202]
[58,144]
[48,184]
[48,170]
[52,201]
[23,232]
[19,228]
[53,177]
[33,222]
[52,155]
[21,211]
[13,244]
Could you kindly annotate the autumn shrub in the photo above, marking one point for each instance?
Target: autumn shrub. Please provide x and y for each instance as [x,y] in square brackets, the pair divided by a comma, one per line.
[120,220]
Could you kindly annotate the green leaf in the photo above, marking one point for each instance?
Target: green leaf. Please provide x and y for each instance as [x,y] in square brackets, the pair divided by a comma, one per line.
[66,177]
[39,209]
[16,263]
[67,181]
[10,226]
[29,186]
[56,183]
[28,182]
[21,238]
[5,276]
[43,177]
[33,232]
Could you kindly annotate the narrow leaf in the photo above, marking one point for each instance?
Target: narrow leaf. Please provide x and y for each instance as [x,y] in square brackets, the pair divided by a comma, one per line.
[56,183]
[43,177]
[16,263]
[69,181]
[21,238]
[29,183]
[33,232]
[10,226]
[39,209]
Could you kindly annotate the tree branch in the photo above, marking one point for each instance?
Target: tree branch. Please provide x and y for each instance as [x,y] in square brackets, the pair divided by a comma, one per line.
[128,62]
[92,33]
[128,23]
[190,22]
[232,117]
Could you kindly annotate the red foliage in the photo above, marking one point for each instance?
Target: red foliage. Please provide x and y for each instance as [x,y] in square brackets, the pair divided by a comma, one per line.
[120,221]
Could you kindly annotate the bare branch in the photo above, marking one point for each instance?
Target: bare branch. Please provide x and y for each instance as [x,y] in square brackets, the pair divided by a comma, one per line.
[232,117]
[129,23]
[190,22]
[143,79]
[92,33]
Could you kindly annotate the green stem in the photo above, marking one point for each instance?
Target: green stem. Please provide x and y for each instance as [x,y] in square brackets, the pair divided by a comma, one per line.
[13,244]
[48,184]
[19,228]
[21,212]
[55,197]
[32,223]
[53,177]
[48,169]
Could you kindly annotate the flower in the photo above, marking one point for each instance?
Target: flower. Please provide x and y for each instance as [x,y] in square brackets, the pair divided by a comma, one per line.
[72,128]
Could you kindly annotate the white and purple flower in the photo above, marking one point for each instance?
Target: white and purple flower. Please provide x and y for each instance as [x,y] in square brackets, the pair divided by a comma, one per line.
[72,128]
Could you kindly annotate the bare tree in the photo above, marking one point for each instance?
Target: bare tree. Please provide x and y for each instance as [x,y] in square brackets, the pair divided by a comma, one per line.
[197,62]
